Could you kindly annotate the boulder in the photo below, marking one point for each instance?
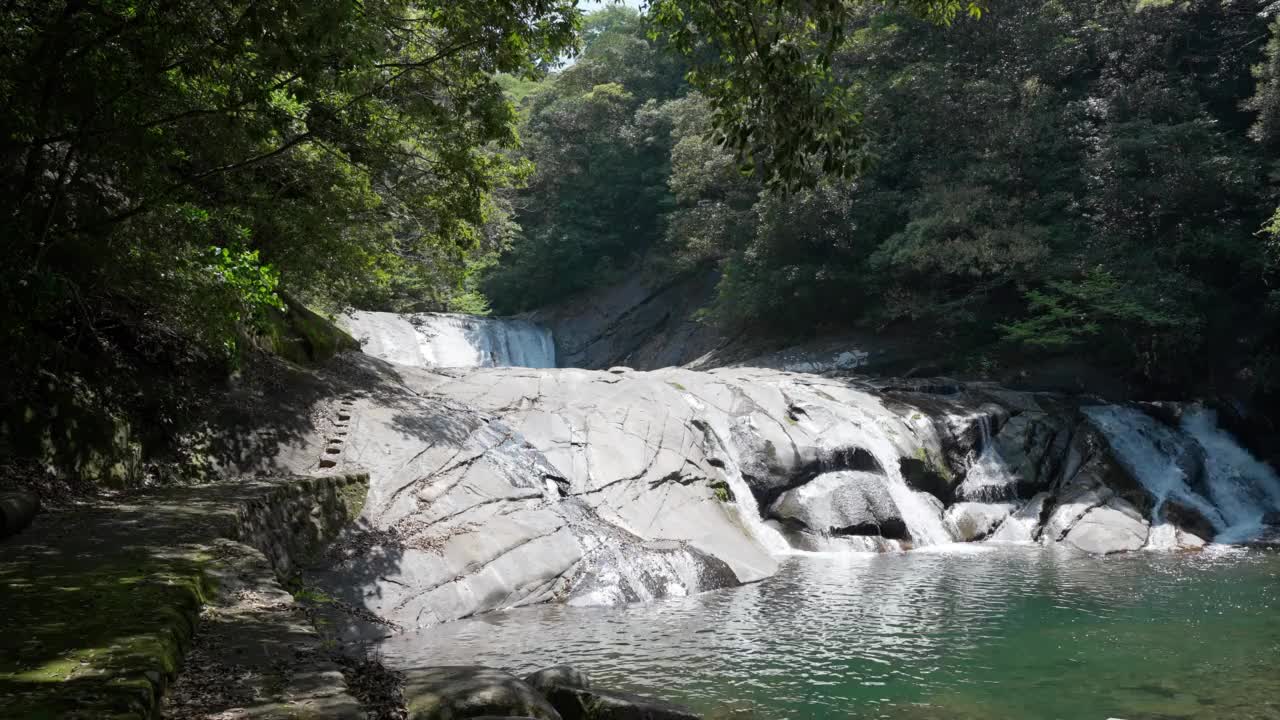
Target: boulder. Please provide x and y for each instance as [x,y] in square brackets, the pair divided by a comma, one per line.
[1091,477]
[1186,541]
[1111,528]
[769,458]
[1032,445]
[843,503]
[973,521]
[446,693]
[926,476]
[559,676]
[17,510]
[1188,518]
[579,704]
[1070,506]
[1024,525]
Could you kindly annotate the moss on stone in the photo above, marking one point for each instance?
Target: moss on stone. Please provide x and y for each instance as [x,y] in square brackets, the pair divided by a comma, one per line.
[96,641]
[71,431]
[98,609]
[354,495]
[302,336]
[722,491]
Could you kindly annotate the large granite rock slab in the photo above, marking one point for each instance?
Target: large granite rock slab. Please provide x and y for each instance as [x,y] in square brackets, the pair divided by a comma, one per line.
[495,488]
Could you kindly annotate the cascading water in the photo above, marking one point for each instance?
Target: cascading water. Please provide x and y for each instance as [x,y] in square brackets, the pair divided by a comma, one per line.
[989,474]
[744,500]
[922,517]
[749,511]
[1149,451]
[453,340]
[1240,488]
[470,341]
[868,424]
[1243,488]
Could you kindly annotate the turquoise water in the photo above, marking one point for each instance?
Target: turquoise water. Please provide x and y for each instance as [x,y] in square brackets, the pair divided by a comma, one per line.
[963,632]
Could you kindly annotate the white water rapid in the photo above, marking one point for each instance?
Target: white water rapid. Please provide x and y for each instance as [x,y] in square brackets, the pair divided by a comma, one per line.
[452,340]
[1239,488]
[1242,487]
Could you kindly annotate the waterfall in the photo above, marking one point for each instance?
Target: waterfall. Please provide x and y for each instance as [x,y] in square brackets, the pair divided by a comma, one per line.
[1242,487]
[748,509]
[862,420]
[989,475]
[1150,450]
[439,340]
[749,512]
[920,513]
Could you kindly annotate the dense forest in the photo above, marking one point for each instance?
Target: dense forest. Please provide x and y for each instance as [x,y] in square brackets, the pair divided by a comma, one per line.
[176,173]
[1082,178]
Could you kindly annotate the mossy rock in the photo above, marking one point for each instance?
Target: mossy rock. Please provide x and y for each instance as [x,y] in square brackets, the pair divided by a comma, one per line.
[302,336]
[67,428]
[96,641]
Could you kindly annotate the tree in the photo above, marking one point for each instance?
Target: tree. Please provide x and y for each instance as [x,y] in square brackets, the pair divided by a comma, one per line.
[1059,177]
[601,145]
[152,153]
[765,67]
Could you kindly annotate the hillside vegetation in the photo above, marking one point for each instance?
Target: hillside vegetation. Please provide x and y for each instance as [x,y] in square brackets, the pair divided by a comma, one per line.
[1057,177]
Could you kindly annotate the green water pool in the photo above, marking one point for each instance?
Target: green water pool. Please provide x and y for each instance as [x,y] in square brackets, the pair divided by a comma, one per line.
[958,632]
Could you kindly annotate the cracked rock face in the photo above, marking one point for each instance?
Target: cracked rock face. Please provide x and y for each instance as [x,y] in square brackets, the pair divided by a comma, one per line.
[494,488]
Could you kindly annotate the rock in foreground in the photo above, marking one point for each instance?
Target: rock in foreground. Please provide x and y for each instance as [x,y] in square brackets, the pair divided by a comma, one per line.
[559,693]
[578,704]
[446,693]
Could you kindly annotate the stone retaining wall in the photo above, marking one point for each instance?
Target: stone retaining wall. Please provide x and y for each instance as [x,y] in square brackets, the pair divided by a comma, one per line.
[294,522]
[145,568]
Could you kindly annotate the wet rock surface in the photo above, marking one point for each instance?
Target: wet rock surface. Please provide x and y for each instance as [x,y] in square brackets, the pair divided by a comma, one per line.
[970,522]
[1111,528]
[558,676]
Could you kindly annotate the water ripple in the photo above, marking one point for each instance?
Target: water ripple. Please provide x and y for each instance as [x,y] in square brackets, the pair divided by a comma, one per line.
[953,632]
